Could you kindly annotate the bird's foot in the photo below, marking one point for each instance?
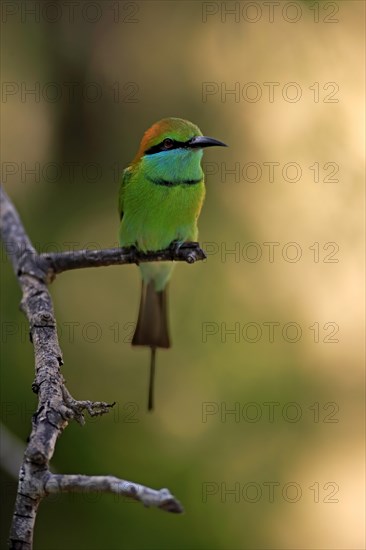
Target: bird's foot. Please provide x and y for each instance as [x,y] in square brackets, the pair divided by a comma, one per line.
[188,251]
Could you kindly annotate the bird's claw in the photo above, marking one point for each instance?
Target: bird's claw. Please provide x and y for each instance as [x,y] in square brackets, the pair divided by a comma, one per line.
[175,246]
[190,251]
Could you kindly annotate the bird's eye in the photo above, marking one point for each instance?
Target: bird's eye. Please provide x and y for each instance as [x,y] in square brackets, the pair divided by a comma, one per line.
[168,143]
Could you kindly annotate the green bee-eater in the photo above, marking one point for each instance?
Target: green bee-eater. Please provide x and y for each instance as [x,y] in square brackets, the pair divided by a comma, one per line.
[160,199]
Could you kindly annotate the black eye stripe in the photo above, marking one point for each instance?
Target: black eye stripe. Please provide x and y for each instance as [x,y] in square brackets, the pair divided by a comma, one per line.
[160,146]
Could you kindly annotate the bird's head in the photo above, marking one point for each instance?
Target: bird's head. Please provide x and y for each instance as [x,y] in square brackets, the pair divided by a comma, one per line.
[172,148]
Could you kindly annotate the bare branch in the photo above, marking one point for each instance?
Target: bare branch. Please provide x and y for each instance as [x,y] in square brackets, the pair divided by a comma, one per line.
[56,407]
[54,263]
[163,499]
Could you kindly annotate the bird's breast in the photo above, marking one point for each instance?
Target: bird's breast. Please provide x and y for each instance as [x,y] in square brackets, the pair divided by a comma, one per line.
[157,213]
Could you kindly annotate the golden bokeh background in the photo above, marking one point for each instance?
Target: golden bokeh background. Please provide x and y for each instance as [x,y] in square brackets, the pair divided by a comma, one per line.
[282,84]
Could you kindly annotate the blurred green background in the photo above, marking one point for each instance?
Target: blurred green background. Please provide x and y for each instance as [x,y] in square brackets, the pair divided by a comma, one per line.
[103,72]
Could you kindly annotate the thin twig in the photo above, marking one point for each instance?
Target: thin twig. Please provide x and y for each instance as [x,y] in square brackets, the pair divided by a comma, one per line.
[162,499]
[54,263]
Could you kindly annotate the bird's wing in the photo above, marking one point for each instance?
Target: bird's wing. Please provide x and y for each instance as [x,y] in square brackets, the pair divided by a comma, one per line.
[125,178]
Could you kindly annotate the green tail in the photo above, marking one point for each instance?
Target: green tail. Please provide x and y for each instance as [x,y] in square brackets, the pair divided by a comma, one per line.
[152,327]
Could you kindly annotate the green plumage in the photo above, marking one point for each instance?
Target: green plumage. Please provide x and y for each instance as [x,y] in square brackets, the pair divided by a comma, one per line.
[160,199]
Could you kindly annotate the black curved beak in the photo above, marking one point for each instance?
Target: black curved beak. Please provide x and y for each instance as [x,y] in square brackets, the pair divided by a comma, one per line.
[200,142]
